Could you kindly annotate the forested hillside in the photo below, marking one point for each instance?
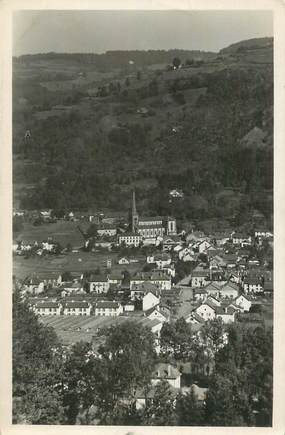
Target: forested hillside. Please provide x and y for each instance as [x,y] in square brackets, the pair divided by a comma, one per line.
[85,133]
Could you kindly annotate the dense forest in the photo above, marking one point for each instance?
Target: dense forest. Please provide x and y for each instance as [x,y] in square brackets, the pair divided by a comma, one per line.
[206,128]
[82,385]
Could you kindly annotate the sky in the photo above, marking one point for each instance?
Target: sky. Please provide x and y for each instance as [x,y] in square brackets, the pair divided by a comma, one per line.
[99,31]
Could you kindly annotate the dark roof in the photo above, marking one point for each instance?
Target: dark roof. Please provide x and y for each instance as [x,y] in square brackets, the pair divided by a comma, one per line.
[98,278]
[76,304]
[107,304]
[47,304]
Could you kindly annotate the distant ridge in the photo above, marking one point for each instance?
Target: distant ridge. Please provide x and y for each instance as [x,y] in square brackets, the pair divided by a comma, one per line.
[248,44]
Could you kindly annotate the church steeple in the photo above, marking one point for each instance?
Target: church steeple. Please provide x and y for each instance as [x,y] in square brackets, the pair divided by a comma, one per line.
[134,214]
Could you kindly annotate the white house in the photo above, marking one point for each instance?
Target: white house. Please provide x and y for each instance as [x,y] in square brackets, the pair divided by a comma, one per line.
[150,300]
[129,307]
[200,294]
[98,284]
[226,314]
[123,260]
[108,308]
[107,230]
[241,239]
[230,290]
[206,310]
[47,308]
[130,239]
[252,285]
[77,308]
[243,302]
[203,246]
[199,277]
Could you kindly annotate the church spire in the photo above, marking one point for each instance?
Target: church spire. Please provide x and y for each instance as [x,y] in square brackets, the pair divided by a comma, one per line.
[134,214]
[134,209]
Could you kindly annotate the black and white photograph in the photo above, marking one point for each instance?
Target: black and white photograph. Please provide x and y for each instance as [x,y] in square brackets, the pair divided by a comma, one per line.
[142,217]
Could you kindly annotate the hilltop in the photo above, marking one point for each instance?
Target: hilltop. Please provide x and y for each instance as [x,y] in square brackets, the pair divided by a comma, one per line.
[100,128]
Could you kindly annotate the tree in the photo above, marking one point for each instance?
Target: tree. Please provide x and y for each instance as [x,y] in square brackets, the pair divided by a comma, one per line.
[121,371]
[176,339]
[176,62]
[36,369]
[189,411]
[161,411]
[81,378]
[222,400]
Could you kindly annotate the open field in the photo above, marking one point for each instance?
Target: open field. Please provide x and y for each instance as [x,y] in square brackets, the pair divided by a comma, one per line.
[61,231]
[71,329]
[73,262]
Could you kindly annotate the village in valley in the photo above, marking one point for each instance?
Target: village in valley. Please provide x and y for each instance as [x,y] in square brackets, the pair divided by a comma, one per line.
[151,273]
[143,286]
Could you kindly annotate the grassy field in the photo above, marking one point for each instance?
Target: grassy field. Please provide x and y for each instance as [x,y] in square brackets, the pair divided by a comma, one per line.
[71,329]
[62,232]
[73,262]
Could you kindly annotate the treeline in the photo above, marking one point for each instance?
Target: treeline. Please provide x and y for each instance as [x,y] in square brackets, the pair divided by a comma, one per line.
[117,58]
[87,385]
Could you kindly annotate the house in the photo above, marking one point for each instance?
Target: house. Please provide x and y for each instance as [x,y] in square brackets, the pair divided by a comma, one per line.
[149,301]
[123,260]
[244,302]
[194,318]
[213,289]
[262,233]
[140,289]
[230,290]
[98,284]
[203,246]
[130,239]
[226,314]
[107,230]
[77,308]
[155,313]
[199,277]
[166,371]
[157,277]
[47,308]
[206,310]
[128,307]
[241,239]
[200,294]
[34,285]
[170,242]
[108,308]
[115,278]
[162,260]
[252,285]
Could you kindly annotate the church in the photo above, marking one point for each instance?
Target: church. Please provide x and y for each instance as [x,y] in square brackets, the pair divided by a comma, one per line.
[150,227]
